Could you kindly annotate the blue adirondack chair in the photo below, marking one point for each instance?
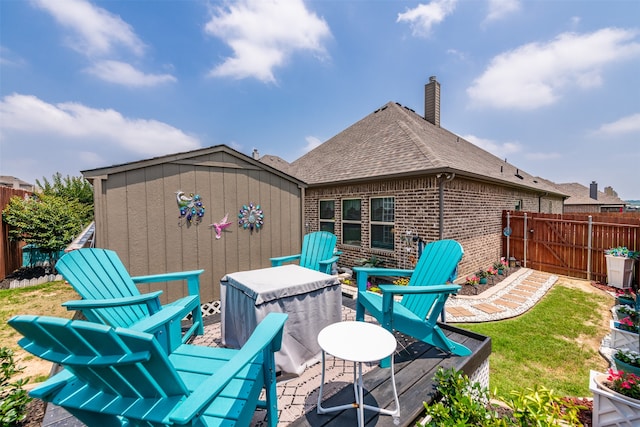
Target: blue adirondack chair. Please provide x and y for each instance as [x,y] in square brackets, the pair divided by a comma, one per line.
[118,376]
[423,300]
[110,296]
[317,252]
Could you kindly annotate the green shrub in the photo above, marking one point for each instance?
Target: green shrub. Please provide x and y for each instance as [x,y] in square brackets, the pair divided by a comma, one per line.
[463,404]
[13,398]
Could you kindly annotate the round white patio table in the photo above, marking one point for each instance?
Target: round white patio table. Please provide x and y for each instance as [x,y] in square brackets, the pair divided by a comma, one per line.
[358,342]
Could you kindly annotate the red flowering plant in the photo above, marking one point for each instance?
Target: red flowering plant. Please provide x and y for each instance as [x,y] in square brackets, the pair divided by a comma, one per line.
[624,383]
[627,324]
[492,271]
[472,280]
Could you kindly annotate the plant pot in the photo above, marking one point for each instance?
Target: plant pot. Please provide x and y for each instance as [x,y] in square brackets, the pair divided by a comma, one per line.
[625,367]
[619,271]
[483,281]
[625,301]
[610,408]
[621,338]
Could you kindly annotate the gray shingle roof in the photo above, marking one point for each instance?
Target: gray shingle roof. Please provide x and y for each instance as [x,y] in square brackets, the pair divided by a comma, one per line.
[580,195]
[395,141]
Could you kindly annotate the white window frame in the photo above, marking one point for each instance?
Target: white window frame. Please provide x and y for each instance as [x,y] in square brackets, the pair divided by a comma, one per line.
[382,222]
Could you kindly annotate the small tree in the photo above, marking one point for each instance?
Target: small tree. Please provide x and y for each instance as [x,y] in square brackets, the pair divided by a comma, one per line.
[69,188]
[47,221]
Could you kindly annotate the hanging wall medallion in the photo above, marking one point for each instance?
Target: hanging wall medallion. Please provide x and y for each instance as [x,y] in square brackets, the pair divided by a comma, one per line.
[251,217]
[191,208]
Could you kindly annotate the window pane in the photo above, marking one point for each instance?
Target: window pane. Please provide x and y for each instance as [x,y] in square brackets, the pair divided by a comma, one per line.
[382,236]
[351,210]
[328,226]
[382,209]
[327,210]
[351,234]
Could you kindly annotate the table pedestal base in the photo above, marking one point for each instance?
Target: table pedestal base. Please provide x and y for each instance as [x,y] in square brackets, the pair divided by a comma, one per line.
[358,390]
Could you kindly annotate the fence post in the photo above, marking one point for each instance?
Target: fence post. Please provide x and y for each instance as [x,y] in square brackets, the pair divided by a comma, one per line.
[589,231]
[509,235]
[525,240]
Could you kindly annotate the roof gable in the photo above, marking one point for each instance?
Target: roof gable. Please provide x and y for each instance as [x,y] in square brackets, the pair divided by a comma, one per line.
[395,141]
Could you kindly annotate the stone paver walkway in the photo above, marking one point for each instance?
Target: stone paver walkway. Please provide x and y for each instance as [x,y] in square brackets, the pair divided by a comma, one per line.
[513,296]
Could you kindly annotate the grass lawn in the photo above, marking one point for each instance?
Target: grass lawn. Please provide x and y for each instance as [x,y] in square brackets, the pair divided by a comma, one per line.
[554,344]
[42,299]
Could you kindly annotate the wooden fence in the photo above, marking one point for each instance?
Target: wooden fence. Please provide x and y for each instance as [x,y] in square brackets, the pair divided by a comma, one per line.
[10,252]
[570,244]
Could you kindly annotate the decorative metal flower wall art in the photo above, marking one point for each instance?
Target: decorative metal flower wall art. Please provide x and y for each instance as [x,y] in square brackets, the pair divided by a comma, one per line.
[251,217]
[191,208]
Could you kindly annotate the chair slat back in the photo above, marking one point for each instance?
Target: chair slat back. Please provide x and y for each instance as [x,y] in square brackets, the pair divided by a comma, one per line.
[437,265]
[316,247]
[99,274]
[118,362]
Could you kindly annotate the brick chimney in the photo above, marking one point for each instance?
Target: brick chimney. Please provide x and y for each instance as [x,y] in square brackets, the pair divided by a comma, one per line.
[432,101]
[593,190]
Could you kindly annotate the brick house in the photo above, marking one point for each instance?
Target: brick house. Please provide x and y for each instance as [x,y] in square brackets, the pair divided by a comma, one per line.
[395,174]
[589,199]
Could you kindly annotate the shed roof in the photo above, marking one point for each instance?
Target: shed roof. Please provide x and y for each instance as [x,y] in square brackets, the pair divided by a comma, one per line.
[189,157]
[394,141]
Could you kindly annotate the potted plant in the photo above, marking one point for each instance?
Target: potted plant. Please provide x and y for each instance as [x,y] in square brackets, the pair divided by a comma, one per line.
[628,361]
[501,265]
[483,275]
[626,297]
[620,262]
[615,398]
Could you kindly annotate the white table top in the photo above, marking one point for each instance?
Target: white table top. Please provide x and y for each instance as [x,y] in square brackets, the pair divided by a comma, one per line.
[357,341]
[268,284]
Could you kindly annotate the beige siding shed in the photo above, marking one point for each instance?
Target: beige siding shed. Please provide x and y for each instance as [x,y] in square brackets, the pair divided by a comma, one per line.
[137,215]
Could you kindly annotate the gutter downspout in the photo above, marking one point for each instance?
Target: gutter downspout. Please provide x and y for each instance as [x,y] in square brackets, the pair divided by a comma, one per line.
[442,178]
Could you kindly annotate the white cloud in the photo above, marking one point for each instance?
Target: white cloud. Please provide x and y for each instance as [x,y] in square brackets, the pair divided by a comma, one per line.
[96,31]
[312,142]
[126,75]
[8,58]
[499,149]
[423,17]
[536,74]
[499,9]
[263,34]
[628,124]
[25,116]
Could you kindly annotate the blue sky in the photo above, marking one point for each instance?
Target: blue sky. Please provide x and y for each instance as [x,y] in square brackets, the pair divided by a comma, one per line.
[552,86]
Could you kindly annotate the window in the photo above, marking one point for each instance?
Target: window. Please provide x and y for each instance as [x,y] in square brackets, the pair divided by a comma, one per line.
[518,205]
[351,222]
[327,216]
[382,222]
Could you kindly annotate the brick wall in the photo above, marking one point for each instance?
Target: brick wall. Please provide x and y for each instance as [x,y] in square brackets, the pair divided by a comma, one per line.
[472,216]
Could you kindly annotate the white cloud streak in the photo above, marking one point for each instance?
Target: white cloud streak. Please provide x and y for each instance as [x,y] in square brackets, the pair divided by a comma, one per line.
[537,74]
[625,125]
[95,30]
[500,9]
[75,123]
[423,17]
[500,149]
[263,34]
[125,74]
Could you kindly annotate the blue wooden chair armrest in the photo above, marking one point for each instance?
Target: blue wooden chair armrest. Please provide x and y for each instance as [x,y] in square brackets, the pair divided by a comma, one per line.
[192,277]
[267,337]
[52,385]
[151,300]
[276,261]
[406,290]
[329,261]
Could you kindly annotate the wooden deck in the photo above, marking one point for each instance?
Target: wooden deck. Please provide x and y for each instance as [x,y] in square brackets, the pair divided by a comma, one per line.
[415,367]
